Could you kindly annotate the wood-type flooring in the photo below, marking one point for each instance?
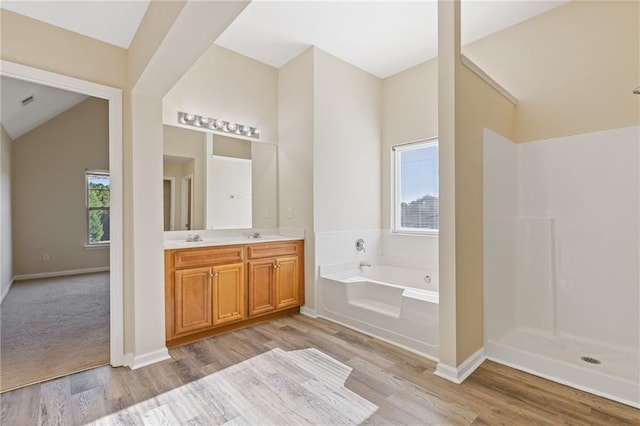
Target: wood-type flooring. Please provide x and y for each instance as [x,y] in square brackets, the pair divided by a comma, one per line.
[401,384]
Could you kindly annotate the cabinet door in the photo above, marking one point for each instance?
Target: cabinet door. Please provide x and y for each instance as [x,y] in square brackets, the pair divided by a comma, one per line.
[261,286]
[287,282]
[228,293]
[193,302]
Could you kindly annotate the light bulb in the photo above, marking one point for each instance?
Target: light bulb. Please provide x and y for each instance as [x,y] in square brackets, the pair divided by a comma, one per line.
[245,129]
[189,117]
[203,120]
[232,127]
[219,124]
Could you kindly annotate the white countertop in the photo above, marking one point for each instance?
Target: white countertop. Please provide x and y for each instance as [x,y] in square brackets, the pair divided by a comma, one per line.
[172,244]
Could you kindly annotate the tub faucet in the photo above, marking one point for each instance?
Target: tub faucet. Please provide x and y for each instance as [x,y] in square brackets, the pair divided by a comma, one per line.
[363,264]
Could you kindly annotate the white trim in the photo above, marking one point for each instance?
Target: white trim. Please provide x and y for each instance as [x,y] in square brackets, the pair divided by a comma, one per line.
[487,79]
[4,294]
[114,97]
[377,336]
[139,361]
[69,272]
[545,367]
[460,374]
[308,312]
[565,382]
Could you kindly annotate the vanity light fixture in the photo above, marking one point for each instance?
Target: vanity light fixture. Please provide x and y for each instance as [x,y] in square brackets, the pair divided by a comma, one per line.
[218,125]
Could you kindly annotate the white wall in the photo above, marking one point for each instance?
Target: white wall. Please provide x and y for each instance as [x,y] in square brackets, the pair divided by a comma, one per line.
[573,241]
[588,184]
[347,117]
[6,270]
[295,157]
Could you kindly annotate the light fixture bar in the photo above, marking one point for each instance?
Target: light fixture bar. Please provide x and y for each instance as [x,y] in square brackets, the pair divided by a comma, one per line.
[218,125]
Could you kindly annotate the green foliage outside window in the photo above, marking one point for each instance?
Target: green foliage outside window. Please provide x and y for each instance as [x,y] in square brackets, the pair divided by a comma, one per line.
[98,207]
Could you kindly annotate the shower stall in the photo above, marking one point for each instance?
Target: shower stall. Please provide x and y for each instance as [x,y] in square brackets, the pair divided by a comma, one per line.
[561,259]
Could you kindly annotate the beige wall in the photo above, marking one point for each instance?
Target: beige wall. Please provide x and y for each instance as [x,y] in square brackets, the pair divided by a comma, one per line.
[478,106]
[48,190]
[347,114]
[572,69]
[224,84]
[184,143]
[6,266]
[448,67]
[410,113]
[37,44]
[295,156]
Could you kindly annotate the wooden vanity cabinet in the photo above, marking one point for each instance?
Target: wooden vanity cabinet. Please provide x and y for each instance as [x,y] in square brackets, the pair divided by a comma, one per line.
[276,276]
[210,290]
[204,287]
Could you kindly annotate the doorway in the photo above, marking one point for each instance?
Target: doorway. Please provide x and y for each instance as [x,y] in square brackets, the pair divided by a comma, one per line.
[114,98]
[187,201]
[168,205]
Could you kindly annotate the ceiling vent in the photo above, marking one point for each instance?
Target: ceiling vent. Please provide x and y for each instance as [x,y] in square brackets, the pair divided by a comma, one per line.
[26,101]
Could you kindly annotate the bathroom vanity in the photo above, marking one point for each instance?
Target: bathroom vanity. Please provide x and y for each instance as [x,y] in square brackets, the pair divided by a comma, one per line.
[215,286]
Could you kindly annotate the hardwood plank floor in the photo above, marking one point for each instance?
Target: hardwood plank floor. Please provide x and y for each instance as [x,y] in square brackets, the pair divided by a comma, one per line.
[400,383]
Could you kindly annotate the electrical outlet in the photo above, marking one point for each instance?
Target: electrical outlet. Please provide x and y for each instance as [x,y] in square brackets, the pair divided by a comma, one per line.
[290,212]
[45,257]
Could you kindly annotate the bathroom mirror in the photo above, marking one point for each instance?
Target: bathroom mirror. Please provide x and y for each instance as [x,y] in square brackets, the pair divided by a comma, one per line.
[212,181]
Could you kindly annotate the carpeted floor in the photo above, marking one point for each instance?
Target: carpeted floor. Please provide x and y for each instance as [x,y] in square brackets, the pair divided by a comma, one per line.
[53,327]
[274,388]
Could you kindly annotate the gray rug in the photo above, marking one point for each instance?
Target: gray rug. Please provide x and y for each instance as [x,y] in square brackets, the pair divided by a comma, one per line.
[274,388]
[53,327]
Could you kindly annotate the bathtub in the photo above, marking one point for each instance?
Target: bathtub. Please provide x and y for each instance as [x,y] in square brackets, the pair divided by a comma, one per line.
[396,304]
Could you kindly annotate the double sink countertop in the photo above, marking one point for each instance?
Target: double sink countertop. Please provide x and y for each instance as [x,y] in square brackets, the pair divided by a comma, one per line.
[180,241]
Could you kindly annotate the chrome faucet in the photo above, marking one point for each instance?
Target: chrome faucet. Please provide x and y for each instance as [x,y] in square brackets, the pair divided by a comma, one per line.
[363,264]
[360,245]
[194,238]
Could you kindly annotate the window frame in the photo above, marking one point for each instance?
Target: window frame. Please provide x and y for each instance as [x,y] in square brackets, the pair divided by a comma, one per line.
[396,213]
[87,174]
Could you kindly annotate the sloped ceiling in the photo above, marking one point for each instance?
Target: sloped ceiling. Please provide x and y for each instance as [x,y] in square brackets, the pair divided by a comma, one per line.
[47,103]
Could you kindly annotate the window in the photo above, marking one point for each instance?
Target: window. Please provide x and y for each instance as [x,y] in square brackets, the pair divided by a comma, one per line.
[416,187]
[97,184]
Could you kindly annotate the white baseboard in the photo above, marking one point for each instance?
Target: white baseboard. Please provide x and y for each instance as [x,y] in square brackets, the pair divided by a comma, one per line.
[460,374]
[139,361]
[308,312]
[6,291]
[60,273]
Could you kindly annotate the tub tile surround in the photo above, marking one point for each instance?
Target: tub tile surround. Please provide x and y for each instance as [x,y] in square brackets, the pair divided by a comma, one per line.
[340,246]
[561,281]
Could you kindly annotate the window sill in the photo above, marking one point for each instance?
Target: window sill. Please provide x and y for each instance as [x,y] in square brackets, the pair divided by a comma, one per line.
[96,246]
[415,233]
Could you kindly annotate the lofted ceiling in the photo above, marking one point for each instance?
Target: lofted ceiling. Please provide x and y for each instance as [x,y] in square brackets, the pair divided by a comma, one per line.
[111,21]
[46,103]
[380,37]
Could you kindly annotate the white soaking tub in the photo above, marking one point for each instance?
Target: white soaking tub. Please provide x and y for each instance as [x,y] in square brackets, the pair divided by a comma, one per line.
[396,304]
